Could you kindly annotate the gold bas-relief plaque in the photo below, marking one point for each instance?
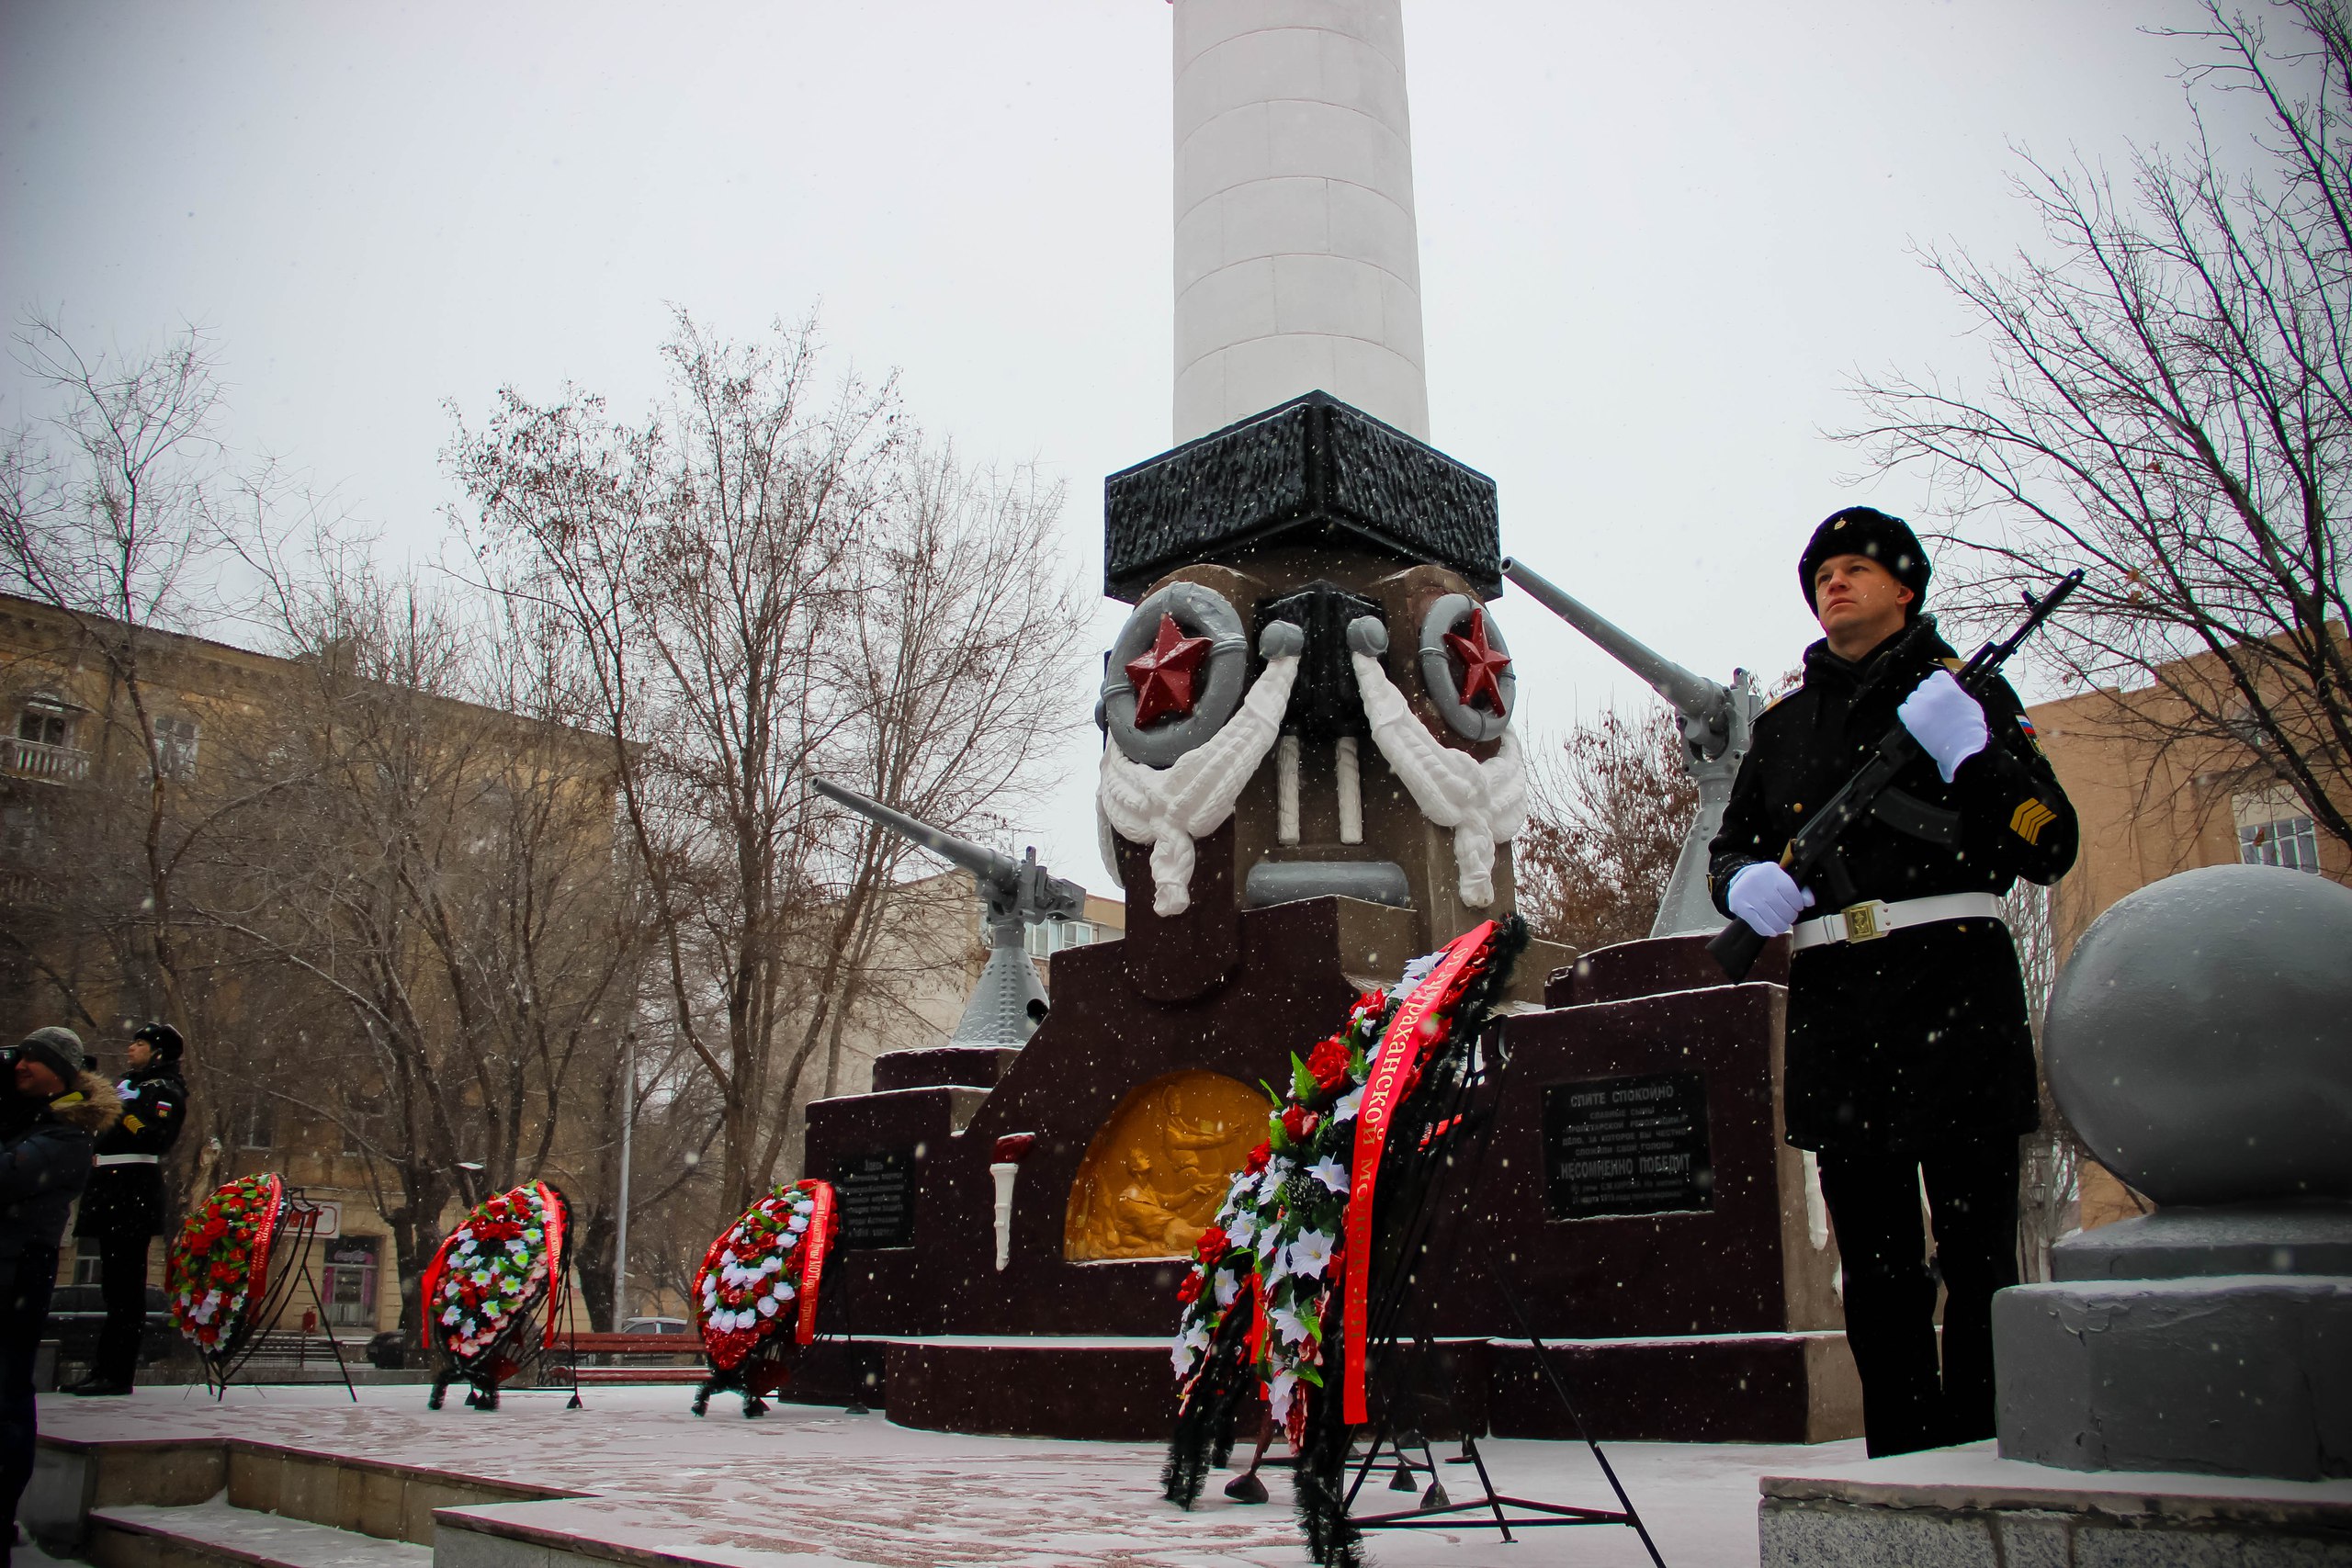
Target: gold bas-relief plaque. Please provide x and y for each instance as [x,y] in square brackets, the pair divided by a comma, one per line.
[1157,1170]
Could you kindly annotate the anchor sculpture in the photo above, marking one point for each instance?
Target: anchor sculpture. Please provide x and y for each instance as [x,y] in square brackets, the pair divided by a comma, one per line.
[1714,719]
[1008,1002]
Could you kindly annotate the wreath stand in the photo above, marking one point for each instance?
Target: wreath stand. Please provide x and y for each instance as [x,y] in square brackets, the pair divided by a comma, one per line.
[769,1367]
[525,1342]
[297,1224]
[1434,1134]
[765,1370]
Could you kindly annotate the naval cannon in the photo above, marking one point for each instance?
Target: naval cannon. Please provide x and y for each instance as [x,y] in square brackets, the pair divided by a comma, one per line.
[1008,1002]
[1714,719]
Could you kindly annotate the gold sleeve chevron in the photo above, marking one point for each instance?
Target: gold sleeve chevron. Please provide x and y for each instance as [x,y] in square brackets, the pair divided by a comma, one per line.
[2030,819]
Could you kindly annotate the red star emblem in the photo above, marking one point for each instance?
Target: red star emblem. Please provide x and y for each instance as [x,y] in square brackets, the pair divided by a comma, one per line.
[1482,666]
[1163,677]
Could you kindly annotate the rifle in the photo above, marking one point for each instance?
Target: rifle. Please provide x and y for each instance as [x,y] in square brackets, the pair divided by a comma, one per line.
[1814,848]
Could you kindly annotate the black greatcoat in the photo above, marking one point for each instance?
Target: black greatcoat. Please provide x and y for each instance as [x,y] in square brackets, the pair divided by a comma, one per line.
[128,1200]
[1918,1038]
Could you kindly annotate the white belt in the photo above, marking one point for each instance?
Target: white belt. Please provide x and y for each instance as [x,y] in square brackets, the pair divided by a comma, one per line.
[1871,919]
[130,1159]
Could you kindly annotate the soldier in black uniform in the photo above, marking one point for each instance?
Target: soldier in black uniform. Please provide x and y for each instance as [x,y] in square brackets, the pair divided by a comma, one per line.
[1910,1060]
[123,1205]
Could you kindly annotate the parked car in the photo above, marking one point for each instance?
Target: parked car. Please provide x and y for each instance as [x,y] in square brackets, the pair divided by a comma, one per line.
[654,1325]
[388,1350]
[76,1314]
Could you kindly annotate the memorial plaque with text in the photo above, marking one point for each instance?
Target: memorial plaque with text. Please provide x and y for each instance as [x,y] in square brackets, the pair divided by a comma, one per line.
[876,1192]
[1628,1146]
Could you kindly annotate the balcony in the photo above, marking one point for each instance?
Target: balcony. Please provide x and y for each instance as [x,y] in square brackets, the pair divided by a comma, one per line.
[40,759]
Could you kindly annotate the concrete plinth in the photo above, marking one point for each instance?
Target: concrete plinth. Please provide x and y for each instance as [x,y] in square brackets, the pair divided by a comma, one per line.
[2230,1375]
[1968,1508]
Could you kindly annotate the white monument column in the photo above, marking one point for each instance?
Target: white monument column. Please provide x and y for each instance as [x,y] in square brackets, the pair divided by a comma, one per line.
[1297,262]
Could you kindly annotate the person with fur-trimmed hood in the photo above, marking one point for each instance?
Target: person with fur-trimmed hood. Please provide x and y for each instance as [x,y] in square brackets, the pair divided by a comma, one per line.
[58,1107]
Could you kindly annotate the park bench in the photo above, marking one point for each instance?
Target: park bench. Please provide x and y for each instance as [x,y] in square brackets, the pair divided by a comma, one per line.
[584,1357]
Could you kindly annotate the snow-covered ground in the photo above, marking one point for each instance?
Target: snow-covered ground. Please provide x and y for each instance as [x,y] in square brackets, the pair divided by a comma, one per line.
[813,1485]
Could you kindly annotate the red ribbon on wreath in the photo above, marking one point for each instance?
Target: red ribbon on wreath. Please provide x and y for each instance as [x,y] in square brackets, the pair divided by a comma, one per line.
[812,1269]
[1411,1037]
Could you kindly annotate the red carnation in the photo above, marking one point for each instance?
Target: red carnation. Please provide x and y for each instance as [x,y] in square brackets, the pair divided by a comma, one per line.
[1373,1002]
[1297,1121]
[1258,1158]
[1328,1063]
[1190,1291]
[1213,1246]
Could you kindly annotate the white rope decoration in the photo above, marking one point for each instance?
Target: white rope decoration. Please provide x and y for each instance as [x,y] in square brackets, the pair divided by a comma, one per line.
[1170,807]
[1484,803]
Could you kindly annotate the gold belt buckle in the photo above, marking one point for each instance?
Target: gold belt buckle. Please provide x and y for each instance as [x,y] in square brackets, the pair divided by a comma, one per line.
[1866,921]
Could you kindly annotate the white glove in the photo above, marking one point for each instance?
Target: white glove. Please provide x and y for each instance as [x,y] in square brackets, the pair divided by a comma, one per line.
[1767,897]
[1945,720]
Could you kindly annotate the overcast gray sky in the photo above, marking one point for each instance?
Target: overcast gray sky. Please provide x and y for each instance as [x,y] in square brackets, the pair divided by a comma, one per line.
[1655,241]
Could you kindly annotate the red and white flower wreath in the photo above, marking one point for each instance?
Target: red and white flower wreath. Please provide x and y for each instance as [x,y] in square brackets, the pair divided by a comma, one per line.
[763,1273]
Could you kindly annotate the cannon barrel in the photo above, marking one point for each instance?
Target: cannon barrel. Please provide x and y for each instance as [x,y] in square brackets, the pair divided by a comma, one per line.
[982,862]
[1693,696]
[1012,887]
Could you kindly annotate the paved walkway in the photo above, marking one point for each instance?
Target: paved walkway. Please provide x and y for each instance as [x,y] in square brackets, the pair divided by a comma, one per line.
[809,1484]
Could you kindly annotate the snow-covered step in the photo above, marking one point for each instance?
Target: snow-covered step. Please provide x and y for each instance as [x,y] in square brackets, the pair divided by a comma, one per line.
[137,1535]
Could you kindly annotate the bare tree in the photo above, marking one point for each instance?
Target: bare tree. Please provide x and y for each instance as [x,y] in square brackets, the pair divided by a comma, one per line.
[439,868]
[110,504]
[2169,408]
[764,586]
[1606,822]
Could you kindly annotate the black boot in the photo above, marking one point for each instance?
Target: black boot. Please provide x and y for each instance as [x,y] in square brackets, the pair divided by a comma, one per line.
[101,1387]
[1246,1488]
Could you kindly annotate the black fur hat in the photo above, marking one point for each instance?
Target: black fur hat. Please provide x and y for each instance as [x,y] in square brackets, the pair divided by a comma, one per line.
[1866,531]
[163,1037]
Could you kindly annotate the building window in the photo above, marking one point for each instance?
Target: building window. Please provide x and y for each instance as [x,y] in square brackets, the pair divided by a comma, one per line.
[350,1283]
[1048,937]
[44,723]
[42,745]
[2274,829]
[87,1261]
[176,747]
[258,1128]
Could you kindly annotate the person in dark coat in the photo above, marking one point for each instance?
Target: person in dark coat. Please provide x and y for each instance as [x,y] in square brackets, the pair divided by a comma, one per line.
[56,1110]
[122,1210]
[1909,1056]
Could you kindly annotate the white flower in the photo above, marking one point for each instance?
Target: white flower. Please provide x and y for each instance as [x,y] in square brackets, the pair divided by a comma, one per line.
[1345,1109]
[783,1291]
[799,1222]
[1278,1171]
[767,1306]
[727,1259]
[1241,1229]
[1228,1287]
[1278,1395]
[1331,1173]
[1310,1254]
[1292,1327]
[450,1316]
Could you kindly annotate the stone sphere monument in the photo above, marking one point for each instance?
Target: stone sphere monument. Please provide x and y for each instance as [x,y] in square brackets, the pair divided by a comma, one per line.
[2200,1042]
[2200,1038]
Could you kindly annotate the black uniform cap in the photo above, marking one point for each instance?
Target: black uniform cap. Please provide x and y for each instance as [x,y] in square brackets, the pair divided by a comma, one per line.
[163,1037]
[1866,531]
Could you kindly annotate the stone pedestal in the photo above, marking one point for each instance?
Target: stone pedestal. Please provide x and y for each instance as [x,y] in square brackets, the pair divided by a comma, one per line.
[1660,1235]
[2195,1340]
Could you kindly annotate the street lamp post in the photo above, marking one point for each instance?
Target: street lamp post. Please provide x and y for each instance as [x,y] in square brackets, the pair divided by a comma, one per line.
[620,1236]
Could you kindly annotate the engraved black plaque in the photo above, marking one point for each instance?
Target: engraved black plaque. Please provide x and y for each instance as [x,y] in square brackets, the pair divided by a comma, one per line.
[876,1192]
[1628,1145]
